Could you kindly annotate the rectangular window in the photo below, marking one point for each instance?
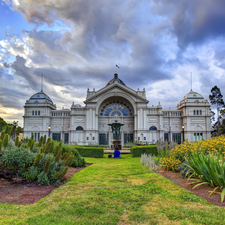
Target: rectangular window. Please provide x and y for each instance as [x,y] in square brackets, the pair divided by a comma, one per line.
[177,138]
[35,136]
[61,114]
[166,137]
[56,137]
[93,138]
[52,114]
[35,113]
[200,112]
[87,138]
[32,113]
[66,138]
[138,138]
[38,136]
[38,113]
[195,137]
[144,138]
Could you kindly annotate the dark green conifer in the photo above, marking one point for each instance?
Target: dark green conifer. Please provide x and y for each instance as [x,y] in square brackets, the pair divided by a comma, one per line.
[47,164]
[6,141]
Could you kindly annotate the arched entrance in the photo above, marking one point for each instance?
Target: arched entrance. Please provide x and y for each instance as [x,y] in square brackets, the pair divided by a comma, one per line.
[115,109]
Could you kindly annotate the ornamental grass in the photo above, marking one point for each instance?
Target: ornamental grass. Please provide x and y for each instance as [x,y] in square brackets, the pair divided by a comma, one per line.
[208,169]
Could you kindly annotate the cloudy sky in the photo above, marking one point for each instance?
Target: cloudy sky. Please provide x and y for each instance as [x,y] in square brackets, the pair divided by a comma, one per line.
[76,45]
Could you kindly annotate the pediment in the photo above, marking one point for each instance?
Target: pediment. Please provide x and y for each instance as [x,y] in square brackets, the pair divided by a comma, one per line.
[115,89]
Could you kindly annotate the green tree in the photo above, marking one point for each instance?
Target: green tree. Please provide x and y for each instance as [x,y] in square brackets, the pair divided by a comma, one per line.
[216,98]
[222,127]
[3,124]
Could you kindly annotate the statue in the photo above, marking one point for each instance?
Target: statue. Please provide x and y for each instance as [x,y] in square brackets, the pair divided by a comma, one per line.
[116,129]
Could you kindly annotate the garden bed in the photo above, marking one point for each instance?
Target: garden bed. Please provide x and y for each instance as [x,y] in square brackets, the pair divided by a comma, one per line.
[201,191]
[13,192]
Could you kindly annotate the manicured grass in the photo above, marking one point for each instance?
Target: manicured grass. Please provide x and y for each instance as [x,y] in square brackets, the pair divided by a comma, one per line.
[116,191]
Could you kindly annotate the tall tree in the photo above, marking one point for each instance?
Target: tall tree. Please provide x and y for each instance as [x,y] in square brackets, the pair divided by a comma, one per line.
[216,98]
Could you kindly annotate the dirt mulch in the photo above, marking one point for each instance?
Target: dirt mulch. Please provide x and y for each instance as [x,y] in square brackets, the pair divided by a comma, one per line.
[13,192]
[201,191]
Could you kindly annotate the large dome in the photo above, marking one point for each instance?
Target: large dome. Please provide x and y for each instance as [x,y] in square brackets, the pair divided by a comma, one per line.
[40,97]
[115,79]
[192,96]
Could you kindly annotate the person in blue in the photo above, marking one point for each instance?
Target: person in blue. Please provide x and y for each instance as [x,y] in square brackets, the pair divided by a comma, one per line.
[116,154]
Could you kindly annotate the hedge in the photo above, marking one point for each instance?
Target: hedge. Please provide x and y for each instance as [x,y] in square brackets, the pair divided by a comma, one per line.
[137,151]
[90,146]
[92,152]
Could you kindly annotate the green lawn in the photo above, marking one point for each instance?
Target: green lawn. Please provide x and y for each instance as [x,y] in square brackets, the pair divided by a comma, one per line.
[116,191]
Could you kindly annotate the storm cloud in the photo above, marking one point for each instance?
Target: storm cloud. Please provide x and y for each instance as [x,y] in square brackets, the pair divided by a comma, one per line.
[76,45]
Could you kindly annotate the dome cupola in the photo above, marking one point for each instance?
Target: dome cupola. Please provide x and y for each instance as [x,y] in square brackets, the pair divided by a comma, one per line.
[116,78]
[40,97]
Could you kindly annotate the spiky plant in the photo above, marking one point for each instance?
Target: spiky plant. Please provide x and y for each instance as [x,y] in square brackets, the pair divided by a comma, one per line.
[37,160]
[29,143]
[49,139]
[32,145]
[47,148]
[47,164]
[32,136]
[51,150]
[17,141]
[2,135]
[6,141]
[69,160]
[63,173]
[40,141]
[57,158]
[44,140]
[6,129]
[12,130]
[41,150]
[0,145]
[63,156]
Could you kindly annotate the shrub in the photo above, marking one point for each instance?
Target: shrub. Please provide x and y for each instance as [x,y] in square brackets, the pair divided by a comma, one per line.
[137,151]
[90,152]
[170,164]
[17,141]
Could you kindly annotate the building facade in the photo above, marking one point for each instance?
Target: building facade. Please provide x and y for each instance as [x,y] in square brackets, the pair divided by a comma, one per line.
[116,102]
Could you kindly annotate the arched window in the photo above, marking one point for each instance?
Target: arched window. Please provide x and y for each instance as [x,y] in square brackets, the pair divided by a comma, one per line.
[194,112]
[79,128]
[119,108]
[152,128]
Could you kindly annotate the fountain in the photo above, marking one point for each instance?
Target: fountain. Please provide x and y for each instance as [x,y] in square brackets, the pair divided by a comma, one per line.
[116,142]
